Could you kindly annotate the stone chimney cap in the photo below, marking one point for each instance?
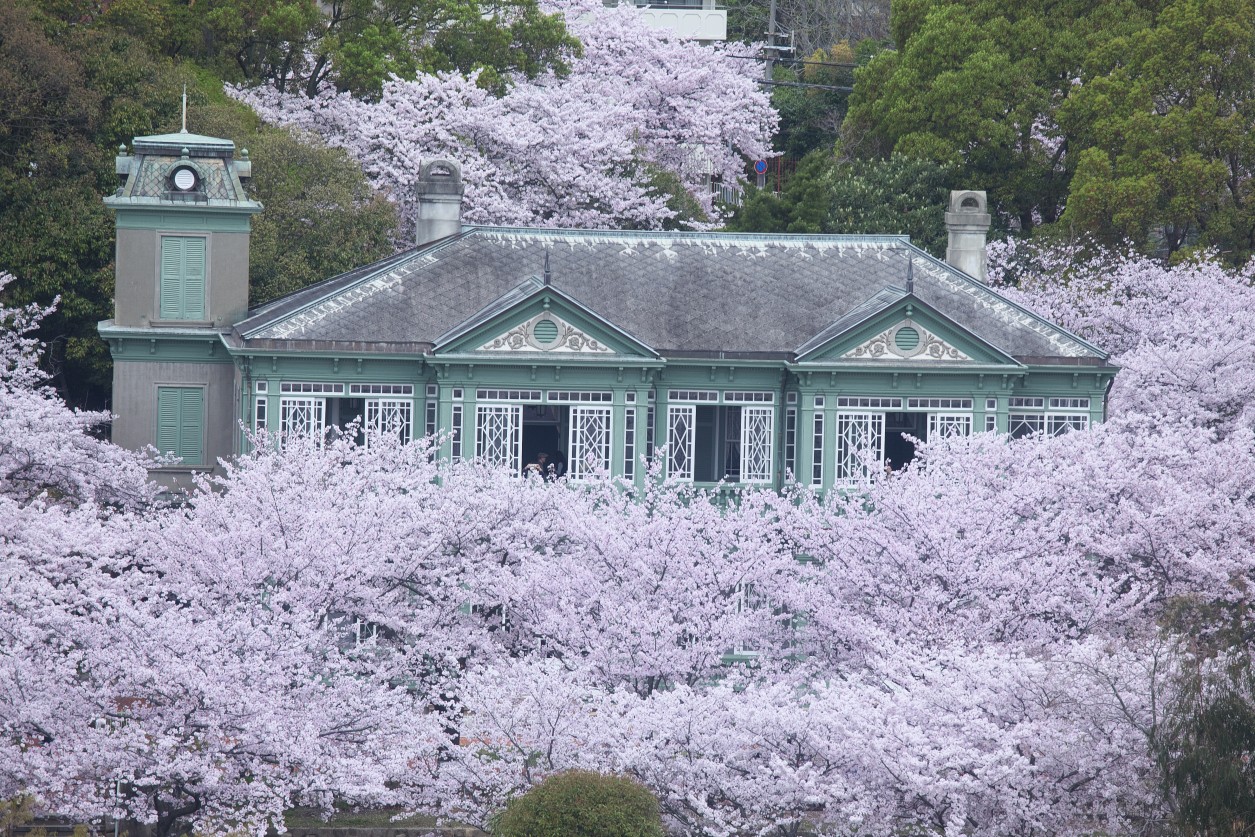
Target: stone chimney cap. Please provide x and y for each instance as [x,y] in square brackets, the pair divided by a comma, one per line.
[968,208]
[440,177]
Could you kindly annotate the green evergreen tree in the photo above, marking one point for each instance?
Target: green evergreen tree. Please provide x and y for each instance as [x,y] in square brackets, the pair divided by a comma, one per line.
[580,803]
[902,195]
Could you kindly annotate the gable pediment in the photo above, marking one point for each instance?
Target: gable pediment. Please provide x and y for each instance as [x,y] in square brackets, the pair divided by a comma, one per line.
[906,340]
[895,327]
[538,319]
[546,332]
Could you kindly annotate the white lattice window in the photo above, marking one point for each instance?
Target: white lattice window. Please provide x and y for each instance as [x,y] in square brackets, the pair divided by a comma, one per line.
[1059,423]
[385,416]
[499,435]
[431,410]
[943,425]
[1025,424]
[589,448]
[681,424]
[860,446]
[455,432]
[303,416]
[757,443]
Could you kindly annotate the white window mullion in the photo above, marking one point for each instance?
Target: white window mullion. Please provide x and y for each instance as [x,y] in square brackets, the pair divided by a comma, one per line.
[388,416]
[499,435]
[302,416]
[757,443]
[860,446]
[589,445]
[681,424]
[944,425]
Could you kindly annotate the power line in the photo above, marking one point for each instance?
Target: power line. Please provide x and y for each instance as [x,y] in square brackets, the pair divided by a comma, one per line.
[796,61]
[803,84]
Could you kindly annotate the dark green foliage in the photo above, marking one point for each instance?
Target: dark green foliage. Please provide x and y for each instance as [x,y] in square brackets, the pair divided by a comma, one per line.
[69,96]
[1166,119]
[1205,742]
[1206,752]
[901,195]
[810,116]
[580,803]
[351,44]
[972,82]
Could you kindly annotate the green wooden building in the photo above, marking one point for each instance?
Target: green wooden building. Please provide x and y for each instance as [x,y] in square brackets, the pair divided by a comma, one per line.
[750,359]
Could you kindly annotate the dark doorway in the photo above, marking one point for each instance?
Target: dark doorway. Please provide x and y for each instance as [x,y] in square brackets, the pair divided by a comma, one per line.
[900,451]
[543,431]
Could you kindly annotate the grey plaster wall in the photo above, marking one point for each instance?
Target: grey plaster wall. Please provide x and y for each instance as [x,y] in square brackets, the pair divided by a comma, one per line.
[135,406]
[138,269]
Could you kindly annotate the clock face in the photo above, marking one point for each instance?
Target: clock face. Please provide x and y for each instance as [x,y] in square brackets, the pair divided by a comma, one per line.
[184,179]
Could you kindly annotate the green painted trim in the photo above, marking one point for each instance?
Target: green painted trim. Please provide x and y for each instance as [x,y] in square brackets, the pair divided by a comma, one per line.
[489,359]
[130,350]
[158,345]
[108,330]
[921,368]
[233,219]
[345,357]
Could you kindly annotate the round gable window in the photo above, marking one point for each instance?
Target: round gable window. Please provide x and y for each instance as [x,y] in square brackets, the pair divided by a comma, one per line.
[545,331]
[907,339]
[184,179]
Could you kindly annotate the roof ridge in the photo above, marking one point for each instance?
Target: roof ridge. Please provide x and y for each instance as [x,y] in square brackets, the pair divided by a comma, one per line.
[689,235]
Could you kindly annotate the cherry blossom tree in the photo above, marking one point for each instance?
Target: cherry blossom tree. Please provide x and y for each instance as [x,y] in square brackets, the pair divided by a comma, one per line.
[48,451]
[594,148]
[60,489]
[992,641]
[1178,332]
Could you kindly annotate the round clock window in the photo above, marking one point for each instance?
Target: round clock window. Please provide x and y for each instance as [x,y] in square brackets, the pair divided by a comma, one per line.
[184,180]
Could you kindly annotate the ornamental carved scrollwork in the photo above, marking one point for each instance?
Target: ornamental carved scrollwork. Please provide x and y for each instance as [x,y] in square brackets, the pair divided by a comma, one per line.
[922,345]
[546,333]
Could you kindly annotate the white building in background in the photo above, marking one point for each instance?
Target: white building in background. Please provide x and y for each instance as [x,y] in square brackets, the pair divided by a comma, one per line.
[698,19]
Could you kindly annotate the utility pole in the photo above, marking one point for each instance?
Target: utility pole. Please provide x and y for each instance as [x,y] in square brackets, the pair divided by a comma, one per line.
[771,42]
[768,62]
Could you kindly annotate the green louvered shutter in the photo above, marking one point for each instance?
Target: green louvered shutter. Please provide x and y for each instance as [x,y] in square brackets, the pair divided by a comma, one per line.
[172,277]
[169,408]
[191,428]
[182,278]
[180,423]
[194,278]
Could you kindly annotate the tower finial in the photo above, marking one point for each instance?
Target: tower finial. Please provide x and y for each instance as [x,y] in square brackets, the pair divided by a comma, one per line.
[548,275]
[184,129]
[910,273]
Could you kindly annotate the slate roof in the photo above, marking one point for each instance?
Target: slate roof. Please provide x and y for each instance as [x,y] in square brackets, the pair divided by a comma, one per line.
[684,294]
[149,168]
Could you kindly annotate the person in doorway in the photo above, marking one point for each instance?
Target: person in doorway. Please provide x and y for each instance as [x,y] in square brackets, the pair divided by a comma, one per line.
[542,467]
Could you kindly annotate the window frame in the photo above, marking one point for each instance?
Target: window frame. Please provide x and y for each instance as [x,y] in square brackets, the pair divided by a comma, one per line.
[180,312]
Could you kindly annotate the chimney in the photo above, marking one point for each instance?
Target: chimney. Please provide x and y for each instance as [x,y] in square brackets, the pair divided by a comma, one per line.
[967,222]
[439,191]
